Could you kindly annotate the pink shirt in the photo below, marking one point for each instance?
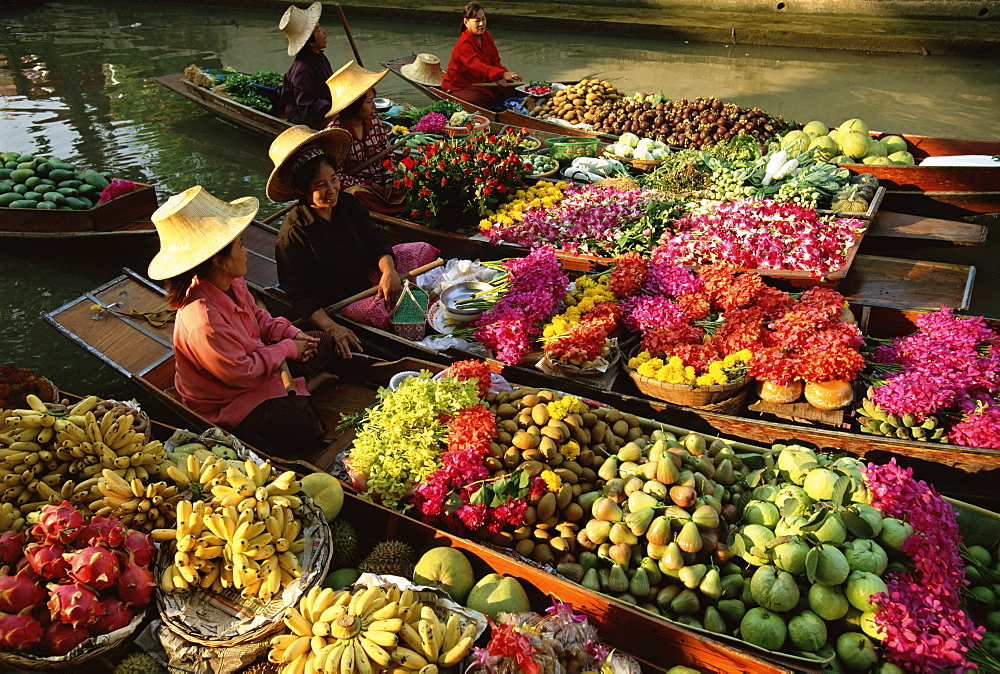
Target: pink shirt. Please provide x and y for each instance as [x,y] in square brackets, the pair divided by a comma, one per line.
[225,364]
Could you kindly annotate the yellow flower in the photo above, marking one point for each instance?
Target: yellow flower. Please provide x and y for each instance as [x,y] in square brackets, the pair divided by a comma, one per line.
[570,450]
[558,409]
[689,373]
[552,481]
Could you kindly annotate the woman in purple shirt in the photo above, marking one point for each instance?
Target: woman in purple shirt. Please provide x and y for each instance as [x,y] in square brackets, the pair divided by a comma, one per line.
[305,98]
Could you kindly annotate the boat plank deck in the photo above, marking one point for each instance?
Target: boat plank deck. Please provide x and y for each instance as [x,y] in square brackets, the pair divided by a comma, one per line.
[901,225]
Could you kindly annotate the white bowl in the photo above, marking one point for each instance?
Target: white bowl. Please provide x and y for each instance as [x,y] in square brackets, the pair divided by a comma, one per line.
[400,377]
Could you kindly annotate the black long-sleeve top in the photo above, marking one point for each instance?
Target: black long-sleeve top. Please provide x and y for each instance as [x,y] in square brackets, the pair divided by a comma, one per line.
[321,261]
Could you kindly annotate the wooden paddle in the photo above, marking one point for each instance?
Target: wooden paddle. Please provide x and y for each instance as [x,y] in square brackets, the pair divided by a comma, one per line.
[335,308]
[350,38]
[381,155]
[277,214]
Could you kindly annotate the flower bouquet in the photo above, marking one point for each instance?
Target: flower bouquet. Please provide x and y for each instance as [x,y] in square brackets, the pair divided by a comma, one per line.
[452,183]
[940,384]
[578,342]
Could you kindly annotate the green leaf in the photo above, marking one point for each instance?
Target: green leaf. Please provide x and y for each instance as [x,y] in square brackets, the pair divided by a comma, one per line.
[482,496]
[738,545]
[775,542]
[840,488]
[812,561]
[755,478]
[789,506]
[452,503]
[856,524]
[759,552]
[523,479]
[815,522]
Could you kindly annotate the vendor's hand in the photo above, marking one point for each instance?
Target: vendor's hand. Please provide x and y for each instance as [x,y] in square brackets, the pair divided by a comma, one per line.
[389,287]
[511,77]
[306,345]
[344,340]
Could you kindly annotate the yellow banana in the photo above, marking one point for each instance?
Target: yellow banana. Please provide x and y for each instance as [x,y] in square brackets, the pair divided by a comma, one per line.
[384,639]
[297,648]
[390,610]
[347,660]
[409,658]
[428,640]
[297,623]
[375,653]
[362,664]
[331,665]
[452,632]
[411,637]
[455,654]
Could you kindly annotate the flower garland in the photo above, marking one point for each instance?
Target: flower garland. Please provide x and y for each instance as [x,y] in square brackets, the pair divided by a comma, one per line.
[763,234]
[537,285]
[925,627]
[951,364]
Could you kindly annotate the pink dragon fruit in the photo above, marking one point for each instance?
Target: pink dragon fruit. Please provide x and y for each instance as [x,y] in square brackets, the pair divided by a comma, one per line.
[74,604]
[135,585]
[20,591]
[19,631]
[60,638]
[141,545]
[47,560]
[104,532]
[12,547]
[58,524]
[95,567]
[42,614]
[116,616]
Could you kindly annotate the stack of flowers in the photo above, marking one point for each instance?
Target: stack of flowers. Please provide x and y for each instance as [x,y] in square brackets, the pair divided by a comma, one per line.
[763,234]
[537,285]
[920,614]
[455,182]
[432,122]
[580,335]
[543,195]
[589,219]
[810,344]
[944,376]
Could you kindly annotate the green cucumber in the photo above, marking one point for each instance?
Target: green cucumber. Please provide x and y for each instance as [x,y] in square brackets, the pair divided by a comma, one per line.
[94,178]
[45,189]
[9,198]
[33,182]
[46,181]
[43,169]
[76,204]
[5,173]
[46,206]
[21,175]
[68,191]
[34,196]
[62,166]
[86,190]
[8,156]
[59,174]
[20,189]
[87,202]
[70,183]
[24,203]
[55,198]
[25,157]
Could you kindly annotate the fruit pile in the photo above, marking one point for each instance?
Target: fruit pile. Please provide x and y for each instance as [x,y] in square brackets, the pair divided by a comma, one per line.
[850,143]
[578,102]
[983,573]
[74,577]
[690,124]
[816,553]
[49,183]
[50,453]
[243,533]
[368,629]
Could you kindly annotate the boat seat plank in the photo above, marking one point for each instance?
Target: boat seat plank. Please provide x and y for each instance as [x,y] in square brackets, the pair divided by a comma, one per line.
[902,225]
[907,284]
[262,271]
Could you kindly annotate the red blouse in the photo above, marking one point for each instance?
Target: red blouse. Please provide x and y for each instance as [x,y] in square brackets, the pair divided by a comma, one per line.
[472,61]
[374,139]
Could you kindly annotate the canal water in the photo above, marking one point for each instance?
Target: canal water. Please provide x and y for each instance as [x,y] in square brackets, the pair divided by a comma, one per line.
[76,81]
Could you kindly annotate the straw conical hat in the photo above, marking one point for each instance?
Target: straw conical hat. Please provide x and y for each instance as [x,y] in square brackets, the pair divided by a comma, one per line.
[425,69]
[349,84]
[298,25]
[293,147]
[193,226]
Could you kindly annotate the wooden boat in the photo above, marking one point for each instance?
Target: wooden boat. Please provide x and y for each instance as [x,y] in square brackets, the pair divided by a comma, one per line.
[143,353]
[510,117]
[126,215]
[225,108]
[944,191]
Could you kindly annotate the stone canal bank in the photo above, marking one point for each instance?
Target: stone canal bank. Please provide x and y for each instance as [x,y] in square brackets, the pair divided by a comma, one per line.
[953,27]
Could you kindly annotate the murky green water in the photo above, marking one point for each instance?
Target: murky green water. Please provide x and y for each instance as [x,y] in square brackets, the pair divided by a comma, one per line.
[76,81]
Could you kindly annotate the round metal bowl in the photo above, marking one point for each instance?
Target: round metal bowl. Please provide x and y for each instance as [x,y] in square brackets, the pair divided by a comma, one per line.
[453,297]
[383,104]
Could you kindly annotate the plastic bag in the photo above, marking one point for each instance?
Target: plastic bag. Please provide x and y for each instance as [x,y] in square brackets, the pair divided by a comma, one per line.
[454,271]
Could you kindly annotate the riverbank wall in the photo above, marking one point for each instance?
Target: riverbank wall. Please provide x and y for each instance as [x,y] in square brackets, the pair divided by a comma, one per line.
[946,27]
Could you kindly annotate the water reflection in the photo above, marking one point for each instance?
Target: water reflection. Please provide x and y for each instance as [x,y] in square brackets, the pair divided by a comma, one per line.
[76,82]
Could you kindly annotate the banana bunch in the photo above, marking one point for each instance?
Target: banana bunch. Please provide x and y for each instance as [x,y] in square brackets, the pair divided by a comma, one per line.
[138,506]
[249,543]
[431,645]
[343,631]
[875,421]
[198,472]
[11,518]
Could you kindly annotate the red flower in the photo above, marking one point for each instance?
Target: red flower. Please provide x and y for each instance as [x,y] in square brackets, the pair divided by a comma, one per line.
[407,162]
[444,181]
[428,213]
[487,190]
[408,182]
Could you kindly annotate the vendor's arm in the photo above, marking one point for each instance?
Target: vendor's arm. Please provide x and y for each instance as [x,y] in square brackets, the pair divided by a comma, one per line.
[389,284]
[344,339]
[216,347]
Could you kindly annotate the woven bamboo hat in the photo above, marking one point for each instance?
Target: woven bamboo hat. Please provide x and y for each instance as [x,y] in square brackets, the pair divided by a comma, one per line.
[425,69]
[293,148]
[349,84]
[193,226]
[298,25]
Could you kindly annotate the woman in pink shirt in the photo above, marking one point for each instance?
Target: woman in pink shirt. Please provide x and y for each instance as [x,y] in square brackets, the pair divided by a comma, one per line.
[228,351]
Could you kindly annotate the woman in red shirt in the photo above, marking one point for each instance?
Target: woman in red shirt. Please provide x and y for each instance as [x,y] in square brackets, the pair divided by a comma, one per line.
[475,59]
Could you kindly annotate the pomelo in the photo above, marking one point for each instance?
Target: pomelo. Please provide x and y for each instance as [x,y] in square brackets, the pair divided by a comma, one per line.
[495,594]
[448,569]
[893,144]
[816,128]
[854,144]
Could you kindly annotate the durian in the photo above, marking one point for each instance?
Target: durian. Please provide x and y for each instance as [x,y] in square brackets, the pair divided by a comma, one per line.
[138,663]
[345,544]
[393,558]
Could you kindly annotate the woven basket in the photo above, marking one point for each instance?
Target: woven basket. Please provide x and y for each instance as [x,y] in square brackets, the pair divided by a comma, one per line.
[93,647]
[571,147]
[481,123]
[683,394]
[409,318]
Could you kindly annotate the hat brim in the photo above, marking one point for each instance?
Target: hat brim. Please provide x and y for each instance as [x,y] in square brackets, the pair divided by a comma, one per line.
[422,76]
[173,261]
[332,142]
[365,83]
[298,41]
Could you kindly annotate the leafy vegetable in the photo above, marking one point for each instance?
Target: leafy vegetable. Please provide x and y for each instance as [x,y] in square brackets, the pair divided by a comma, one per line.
[446,108]
[241,88]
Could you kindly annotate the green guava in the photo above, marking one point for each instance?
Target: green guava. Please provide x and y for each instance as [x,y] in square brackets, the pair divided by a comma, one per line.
[790,556]
[861,585]
[856,651]
[807,631]
[763,628]
[831,566]
[761,512]
[894,533]
[774,590]
[791,492]
[828,601]
[864,554]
